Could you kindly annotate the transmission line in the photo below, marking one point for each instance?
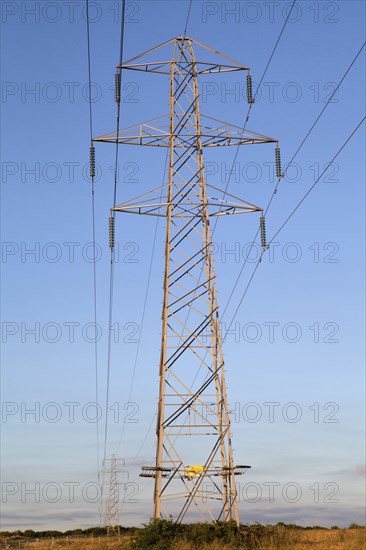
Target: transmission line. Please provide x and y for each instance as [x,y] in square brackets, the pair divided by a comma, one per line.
[111,273]
[288,165]
[92,174]
[187,20]
[290,216]
[254,98]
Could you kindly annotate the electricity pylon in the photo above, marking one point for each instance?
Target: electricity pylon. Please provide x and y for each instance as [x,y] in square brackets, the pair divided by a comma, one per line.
[194,466]
[111,513]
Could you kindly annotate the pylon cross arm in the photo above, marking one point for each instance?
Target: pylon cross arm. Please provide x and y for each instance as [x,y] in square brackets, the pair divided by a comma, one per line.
[218,204]
[202,67]
[157,133]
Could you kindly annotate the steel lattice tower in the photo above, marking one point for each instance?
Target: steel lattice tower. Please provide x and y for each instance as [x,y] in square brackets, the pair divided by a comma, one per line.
[111,514]
[194,460]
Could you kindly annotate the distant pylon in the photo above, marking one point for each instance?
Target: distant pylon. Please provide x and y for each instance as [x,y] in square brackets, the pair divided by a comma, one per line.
[111,512]
[194,468]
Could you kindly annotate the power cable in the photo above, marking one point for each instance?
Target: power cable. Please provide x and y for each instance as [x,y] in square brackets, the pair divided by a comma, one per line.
[188,14]
[253,102]
[93,238]
[287,167]
[290,216]
[111,273]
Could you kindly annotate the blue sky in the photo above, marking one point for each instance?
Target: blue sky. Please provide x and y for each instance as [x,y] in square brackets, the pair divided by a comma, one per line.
[309,290]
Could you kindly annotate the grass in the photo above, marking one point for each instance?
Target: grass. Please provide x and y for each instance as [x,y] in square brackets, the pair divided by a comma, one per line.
[205,537]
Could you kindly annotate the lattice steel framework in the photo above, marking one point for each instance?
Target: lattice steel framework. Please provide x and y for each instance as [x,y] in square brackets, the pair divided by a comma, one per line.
[194,461]
[112,505]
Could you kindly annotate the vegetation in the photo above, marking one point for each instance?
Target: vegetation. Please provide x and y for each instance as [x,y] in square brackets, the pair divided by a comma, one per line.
[167,535]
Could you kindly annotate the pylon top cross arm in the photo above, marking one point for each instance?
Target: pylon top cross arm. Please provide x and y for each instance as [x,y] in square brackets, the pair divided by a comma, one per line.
[220,62]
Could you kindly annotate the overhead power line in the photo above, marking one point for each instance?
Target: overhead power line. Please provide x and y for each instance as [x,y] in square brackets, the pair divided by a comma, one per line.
[187,20]
[255,96]
[111,273]
[92,173]
[302,143]
[327,166]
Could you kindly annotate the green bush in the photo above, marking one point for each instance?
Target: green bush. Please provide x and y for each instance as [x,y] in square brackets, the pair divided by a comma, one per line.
[166,534]
[198,534]
[158,534]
